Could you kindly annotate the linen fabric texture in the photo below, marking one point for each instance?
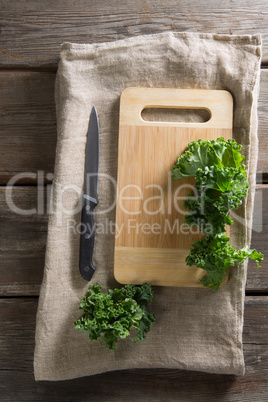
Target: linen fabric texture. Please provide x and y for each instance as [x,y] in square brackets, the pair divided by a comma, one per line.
[196,328]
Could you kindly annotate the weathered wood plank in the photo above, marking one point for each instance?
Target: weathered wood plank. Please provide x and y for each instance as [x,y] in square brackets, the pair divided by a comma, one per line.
[263,123]
[23,241]
[257,279]
[33,31]
[28,126]
[17,382]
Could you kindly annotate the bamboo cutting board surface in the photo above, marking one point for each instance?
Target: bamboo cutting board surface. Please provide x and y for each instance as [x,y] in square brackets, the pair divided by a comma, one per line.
[152,240]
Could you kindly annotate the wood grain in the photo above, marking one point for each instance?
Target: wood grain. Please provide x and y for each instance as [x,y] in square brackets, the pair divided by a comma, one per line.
[16,361]
[157,266]
[133,101]
[263,123]
[258,277]
[28,126]
[23,241]
[146,195]
[31,34]
[32,31]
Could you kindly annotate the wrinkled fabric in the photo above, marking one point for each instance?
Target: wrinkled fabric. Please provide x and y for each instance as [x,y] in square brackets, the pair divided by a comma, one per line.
[196,328]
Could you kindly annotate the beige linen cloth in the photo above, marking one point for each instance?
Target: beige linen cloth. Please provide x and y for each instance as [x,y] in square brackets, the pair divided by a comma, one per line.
[196,328]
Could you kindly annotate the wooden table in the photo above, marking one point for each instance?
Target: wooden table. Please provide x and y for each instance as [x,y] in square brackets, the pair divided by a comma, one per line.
[31,34]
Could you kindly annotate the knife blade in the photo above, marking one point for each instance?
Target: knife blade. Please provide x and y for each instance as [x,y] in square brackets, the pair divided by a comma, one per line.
[90,198]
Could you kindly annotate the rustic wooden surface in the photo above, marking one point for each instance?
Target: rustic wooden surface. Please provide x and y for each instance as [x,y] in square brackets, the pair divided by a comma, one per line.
[32,31]
[31,34]
[28,124]
[17,382]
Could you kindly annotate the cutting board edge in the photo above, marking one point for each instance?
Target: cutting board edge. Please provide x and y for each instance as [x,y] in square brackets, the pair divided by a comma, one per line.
[134,99]
[130,266]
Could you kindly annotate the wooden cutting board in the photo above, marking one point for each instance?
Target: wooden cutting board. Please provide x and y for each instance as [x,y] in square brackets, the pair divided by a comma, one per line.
[152,240]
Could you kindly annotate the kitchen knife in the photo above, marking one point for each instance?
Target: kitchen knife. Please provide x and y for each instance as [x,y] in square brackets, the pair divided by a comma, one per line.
[90,198]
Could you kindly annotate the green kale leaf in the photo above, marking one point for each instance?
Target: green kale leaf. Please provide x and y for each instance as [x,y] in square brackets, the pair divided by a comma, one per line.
[221,184]
[110,316]
[203,153]
[215,255]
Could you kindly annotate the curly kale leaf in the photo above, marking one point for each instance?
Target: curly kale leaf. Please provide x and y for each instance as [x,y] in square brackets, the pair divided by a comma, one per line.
[218,191]
[215,255]
[198,155]
[221,185]
[111,315]
[203,153]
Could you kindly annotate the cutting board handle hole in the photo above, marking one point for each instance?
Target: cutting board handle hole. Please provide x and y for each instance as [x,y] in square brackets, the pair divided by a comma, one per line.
[175,114]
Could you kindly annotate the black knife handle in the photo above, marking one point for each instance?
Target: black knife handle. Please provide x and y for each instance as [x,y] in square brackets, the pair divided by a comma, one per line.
[86,266]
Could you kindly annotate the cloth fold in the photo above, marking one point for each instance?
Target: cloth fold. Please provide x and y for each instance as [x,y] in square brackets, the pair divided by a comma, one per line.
[195,329]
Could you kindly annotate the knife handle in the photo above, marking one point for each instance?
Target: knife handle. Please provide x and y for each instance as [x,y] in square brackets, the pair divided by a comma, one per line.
[86,266]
